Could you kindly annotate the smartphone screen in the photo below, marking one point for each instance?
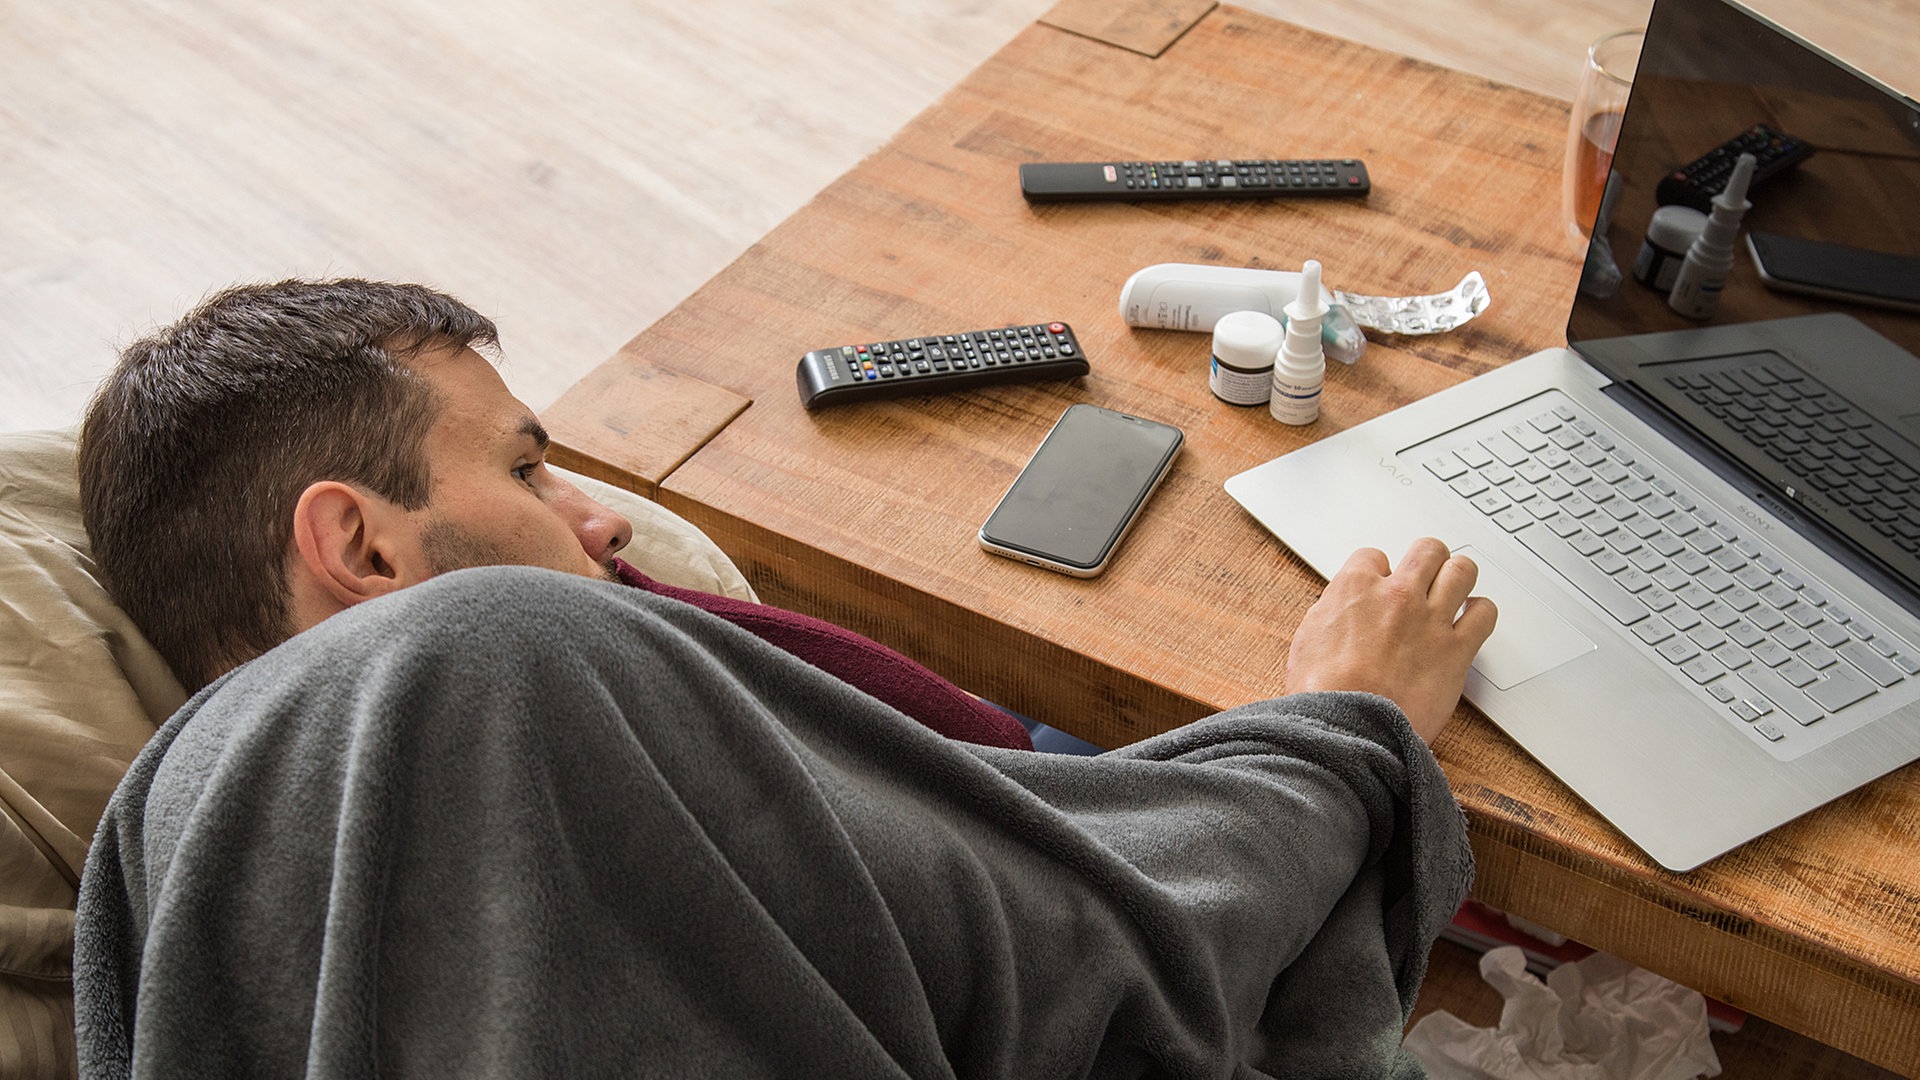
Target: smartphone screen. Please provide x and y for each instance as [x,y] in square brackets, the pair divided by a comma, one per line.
[1081,491]
[1878,278]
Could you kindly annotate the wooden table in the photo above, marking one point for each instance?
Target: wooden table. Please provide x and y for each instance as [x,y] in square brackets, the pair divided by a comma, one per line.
[867,515]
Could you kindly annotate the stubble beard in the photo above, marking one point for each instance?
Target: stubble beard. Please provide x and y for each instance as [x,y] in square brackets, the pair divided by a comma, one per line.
[449,547]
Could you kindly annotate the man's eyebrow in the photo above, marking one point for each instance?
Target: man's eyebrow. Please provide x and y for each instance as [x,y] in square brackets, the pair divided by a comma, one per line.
[532,428]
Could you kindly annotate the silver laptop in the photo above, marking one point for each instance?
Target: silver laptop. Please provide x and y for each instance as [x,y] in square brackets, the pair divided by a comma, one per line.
[1703,536]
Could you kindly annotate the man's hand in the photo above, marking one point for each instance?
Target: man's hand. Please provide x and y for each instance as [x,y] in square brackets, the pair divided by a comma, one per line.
[1393,632]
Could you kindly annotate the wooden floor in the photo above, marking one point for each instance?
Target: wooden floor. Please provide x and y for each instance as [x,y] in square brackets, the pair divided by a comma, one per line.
[574,170]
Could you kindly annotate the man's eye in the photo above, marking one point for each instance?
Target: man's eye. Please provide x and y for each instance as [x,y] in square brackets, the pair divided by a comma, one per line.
[524,473]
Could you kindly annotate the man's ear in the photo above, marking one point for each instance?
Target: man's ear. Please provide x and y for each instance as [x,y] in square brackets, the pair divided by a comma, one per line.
[351,546]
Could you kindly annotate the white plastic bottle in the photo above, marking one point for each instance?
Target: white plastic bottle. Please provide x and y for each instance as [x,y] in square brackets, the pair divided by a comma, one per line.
[1670,232]
[1301,369]
[1193,296]
[1245,344]
[1696,289]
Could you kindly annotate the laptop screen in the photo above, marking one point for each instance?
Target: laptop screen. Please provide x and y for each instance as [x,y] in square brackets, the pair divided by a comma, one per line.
[1806,372]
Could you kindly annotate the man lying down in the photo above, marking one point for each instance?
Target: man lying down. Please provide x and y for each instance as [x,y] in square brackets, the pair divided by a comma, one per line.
[456,797]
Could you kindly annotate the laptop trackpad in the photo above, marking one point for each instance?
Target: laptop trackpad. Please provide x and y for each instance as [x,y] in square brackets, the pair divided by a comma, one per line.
[1529,639]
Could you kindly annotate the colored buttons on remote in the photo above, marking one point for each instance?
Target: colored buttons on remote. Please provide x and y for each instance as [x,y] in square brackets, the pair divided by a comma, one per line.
[1218,179]
[938,363]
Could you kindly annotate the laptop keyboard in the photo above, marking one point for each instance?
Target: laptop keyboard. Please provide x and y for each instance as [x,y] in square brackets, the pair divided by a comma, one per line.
[1731,616]
[1818,436]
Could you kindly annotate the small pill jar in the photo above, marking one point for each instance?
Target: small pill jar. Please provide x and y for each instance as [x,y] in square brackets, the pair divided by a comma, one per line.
[1671,232]
[1244,345]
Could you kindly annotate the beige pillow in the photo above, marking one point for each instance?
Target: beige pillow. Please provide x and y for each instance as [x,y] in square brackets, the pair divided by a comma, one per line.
[666,547]
[81,691]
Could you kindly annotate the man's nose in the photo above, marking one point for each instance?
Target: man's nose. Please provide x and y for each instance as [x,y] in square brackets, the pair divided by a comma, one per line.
[602,532]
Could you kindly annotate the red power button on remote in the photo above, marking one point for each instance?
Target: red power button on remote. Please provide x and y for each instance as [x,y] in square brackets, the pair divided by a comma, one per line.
[1057,328]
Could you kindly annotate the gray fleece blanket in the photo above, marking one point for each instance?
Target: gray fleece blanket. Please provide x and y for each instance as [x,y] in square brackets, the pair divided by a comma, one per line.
[514,823]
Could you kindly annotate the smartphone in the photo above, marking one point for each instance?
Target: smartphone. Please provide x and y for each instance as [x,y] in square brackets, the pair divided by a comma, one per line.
[1834,272]
[1082,490]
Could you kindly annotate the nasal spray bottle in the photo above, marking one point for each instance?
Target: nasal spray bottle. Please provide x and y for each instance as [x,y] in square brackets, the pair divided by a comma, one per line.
[1301,368]
[1696,289]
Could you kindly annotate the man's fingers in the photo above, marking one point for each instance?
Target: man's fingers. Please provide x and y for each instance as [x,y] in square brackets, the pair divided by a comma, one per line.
[1476,621]
[1367,561]
[1455,582]
[1423,561]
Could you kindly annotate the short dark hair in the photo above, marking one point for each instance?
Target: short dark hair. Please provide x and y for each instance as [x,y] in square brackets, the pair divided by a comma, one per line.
[196,448]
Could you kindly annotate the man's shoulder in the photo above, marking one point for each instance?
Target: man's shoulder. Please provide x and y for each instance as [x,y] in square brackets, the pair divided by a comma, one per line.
[472,603]
[304,699]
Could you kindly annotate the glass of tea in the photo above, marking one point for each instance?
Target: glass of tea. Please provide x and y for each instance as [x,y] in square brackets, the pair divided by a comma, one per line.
[1594,125]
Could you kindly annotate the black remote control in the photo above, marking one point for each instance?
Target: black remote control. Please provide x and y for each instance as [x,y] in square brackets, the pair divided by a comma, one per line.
[930,365]
[1697,182]
[1144,181]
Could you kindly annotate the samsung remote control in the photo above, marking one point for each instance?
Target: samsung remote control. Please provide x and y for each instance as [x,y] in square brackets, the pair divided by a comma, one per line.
[1698,181]
[1141,181]
[931,365]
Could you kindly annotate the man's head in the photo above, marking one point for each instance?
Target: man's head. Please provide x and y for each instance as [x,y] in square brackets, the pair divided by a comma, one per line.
[285,451]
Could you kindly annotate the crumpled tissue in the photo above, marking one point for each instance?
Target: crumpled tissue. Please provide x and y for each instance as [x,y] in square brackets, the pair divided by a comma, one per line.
[1598,1019]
